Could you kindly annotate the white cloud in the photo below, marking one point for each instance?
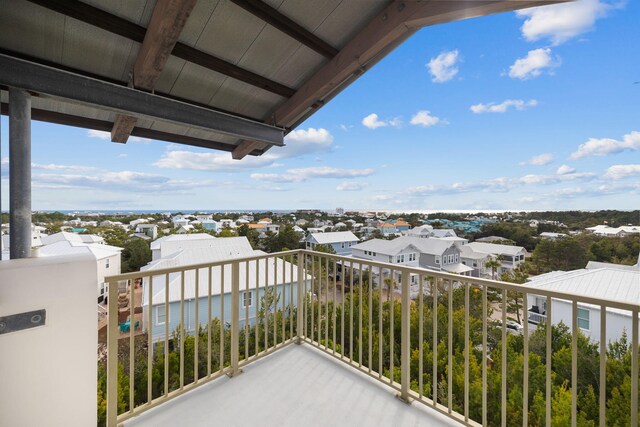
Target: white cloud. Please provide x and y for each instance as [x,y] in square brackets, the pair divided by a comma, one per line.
[54,167]
[443,67]
[622,171]
[539,160]
[382,198]
[303,174]
[211,161]
[425,119]
[554,179]
[351,186]
[533,64]
[561,22]
[606,146]
[92,133]
[504,106]
[301,142]
[565,169]
[120,181]
[298,143]
[372,121]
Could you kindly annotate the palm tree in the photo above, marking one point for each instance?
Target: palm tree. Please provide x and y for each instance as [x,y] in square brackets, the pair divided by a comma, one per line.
[493,264]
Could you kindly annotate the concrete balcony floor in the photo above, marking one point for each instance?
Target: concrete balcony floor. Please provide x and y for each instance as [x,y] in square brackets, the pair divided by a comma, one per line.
[295,386]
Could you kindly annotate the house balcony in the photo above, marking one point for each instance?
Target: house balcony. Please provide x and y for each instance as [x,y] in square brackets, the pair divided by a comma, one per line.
[318,342]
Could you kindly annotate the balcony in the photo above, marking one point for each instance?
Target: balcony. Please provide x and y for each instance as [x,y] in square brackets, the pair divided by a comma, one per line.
[359,345]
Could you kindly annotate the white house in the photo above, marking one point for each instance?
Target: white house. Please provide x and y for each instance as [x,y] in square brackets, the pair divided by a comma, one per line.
[341,241]
[602,283]
[475,260]
[443,232]
[552,236]
[252,288]
[149,230]
[211,225]
[204,217]
[107,257]
[423,231]
[184,229]
[170,244]
[511,256]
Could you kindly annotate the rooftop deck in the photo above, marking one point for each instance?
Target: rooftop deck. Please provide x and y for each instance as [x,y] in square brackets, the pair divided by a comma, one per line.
[296,385]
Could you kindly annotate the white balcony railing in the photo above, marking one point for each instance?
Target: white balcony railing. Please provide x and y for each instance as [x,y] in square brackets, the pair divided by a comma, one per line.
[448,349]
[536,318]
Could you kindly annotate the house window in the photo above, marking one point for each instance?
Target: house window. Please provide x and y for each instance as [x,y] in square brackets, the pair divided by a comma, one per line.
[342,245]
[475,263]
[107,263]
[400,259]
[437,260]
[457,259]
[390,259]
[160,315]
[374,254]
[247,298]
[583,318]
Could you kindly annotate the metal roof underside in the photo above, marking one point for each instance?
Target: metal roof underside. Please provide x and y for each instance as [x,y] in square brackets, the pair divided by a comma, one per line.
[269,74]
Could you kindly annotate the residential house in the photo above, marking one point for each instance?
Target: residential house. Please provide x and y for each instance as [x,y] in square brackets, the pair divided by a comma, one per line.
[210,225]
[208,251]
[181,222]
[301,222]
[149,230]
[388,229]
[402,226]
[167,245]
[599,283]
[475,260]
[423,231]
[340,241]
[606,231]
[443,232]
[133,224]
[204,217]
[226,223]
[184,229]
[510,256]
[108,258]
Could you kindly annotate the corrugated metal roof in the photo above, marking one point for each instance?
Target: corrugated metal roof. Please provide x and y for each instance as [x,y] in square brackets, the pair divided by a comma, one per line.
[334,237]
[603,283]
[495,249]
[395,246]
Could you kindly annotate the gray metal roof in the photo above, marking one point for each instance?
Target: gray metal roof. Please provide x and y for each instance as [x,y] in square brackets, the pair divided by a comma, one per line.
[274,62]
[395,246]
[603,283]
[496,249]
[333,237]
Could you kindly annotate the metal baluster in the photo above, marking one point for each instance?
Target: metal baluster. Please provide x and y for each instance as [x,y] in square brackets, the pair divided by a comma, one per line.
[574,364]
[150,342]
[335,284]
[467,344]
[634,368]
[370,340]
[450,349]
[434,293]
[132,344]
[525,372]
[420,335]
[166,335]
[392,341]
[485,292]
[603,365]
[181,330]
[245,302]
[197,327]
[548,370]
[503,393]
[209,284]
[222,334]
[380,321]
[360,317]
[351,315]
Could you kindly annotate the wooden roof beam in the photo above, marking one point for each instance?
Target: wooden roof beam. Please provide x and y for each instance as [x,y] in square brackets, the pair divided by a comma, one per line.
[277,20]
[132,31]
[167,21]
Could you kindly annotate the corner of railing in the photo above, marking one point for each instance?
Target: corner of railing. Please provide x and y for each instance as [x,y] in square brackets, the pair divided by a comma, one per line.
[405,339]
[112,354]
[301,303]
[235,319]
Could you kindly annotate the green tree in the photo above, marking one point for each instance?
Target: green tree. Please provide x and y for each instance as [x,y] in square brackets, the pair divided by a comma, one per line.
[136,254]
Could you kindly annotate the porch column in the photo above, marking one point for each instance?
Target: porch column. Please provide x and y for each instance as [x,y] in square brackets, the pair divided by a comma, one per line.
[20,173]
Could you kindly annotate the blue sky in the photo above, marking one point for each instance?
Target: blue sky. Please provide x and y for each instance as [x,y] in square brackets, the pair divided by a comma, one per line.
[532,110]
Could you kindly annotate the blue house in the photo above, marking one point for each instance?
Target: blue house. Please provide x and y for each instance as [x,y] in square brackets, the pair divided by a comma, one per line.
[340,241]
[256,277]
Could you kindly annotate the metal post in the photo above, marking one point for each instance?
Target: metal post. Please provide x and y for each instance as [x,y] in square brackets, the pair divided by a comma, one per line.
[20,172]
[301,302]
[235,318]
[405,340]
[112,355]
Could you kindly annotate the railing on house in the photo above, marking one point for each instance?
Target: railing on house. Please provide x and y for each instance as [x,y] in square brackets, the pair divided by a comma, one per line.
[448,348]
[536,318]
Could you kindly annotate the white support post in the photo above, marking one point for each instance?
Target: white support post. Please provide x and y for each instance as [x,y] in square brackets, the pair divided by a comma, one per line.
[405,340]
[301,299]
[112,355]
[235,319]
